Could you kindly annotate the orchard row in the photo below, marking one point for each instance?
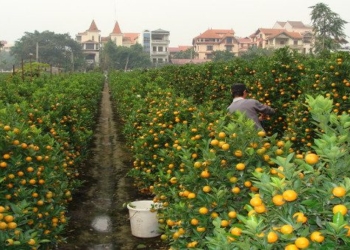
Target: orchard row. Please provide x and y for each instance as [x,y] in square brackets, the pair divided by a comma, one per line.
[46,126]
[221,183]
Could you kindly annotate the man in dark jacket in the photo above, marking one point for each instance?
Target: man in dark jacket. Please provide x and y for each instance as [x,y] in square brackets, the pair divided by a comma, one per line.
[253,109]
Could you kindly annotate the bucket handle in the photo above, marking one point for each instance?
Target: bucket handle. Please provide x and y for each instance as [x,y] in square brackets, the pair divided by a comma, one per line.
[133,215]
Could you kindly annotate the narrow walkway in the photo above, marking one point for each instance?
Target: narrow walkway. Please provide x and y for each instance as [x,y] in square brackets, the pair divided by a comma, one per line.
[98,218]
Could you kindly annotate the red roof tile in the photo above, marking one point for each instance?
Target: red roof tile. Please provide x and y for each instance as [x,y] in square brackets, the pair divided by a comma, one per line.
[179,49]
[216,33]
[116,29]
[131,36]
[296,24]
[93,26]
[244,40]
[295,35]
[270,31]
[281,23]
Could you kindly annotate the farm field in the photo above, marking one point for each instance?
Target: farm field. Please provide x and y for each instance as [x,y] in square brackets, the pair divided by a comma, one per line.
[221,183]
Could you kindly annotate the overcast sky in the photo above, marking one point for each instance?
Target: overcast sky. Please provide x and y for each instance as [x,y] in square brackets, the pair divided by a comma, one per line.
[184,19]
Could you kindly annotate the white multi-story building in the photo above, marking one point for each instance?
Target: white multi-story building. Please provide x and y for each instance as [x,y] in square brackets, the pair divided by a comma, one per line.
[156,43]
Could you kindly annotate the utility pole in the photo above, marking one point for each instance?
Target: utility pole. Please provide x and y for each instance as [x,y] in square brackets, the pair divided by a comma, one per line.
[30,64]
[72,60]
[37,52]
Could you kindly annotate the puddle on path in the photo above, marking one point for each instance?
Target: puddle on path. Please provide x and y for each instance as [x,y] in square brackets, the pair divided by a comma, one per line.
[102,224]
[99,219]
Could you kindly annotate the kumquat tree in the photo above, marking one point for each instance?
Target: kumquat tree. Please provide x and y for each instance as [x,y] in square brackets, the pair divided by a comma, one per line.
[220,183]
[223,184]
[46,125]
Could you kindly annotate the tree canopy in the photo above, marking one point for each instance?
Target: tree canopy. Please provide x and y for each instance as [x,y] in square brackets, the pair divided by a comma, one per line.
[255,52]
[328,28]
[123,58]
[186,54]
[222,56]
[6,61]
[58,50]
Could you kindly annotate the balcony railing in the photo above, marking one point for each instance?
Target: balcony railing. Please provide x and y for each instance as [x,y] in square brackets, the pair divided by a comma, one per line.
[163,53]
[278,46]
[160,41]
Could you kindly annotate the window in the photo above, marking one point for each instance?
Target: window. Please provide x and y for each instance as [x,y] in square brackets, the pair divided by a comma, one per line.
[146,37]
[295,42]
[93,38]
[229,40]
[160,60]
[89,46]
[209,47]
[154,48]
[282,42]
[229,48]
[160,49]
[210,40]
[90,57]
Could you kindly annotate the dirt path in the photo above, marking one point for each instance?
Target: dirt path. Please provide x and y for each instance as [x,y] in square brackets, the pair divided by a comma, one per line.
[98,218]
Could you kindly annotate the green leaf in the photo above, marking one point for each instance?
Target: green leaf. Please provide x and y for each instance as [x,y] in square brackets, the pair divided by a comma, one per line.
[311,203]
[15,209]
[338,219]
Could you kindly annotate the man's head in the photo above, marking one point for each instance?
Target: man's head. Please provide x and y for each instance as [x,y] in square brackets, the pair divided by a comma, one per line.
[238,89]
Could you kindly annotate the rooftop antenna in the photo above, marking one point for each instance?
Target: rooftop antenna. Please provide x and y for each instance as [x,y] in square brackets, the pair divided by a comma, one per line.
[115,10]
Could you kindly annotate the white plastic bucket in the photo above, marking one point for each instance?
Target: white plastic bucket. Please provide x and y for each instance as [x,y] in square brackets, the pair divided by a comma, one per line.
[143,218]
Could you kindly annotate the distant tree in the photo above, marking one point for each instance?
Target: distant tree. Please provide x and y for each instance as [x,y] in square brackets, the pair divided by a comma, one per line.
[186,54]
[123,58]
[138,58]
[58,50]
[328,28]
[108,56]
[255,52]
[6,61]
[222,56]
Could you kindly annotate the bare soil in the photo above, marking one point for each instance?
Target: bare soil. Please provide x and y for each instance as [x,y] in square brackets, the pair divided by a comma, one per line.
[99,218]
